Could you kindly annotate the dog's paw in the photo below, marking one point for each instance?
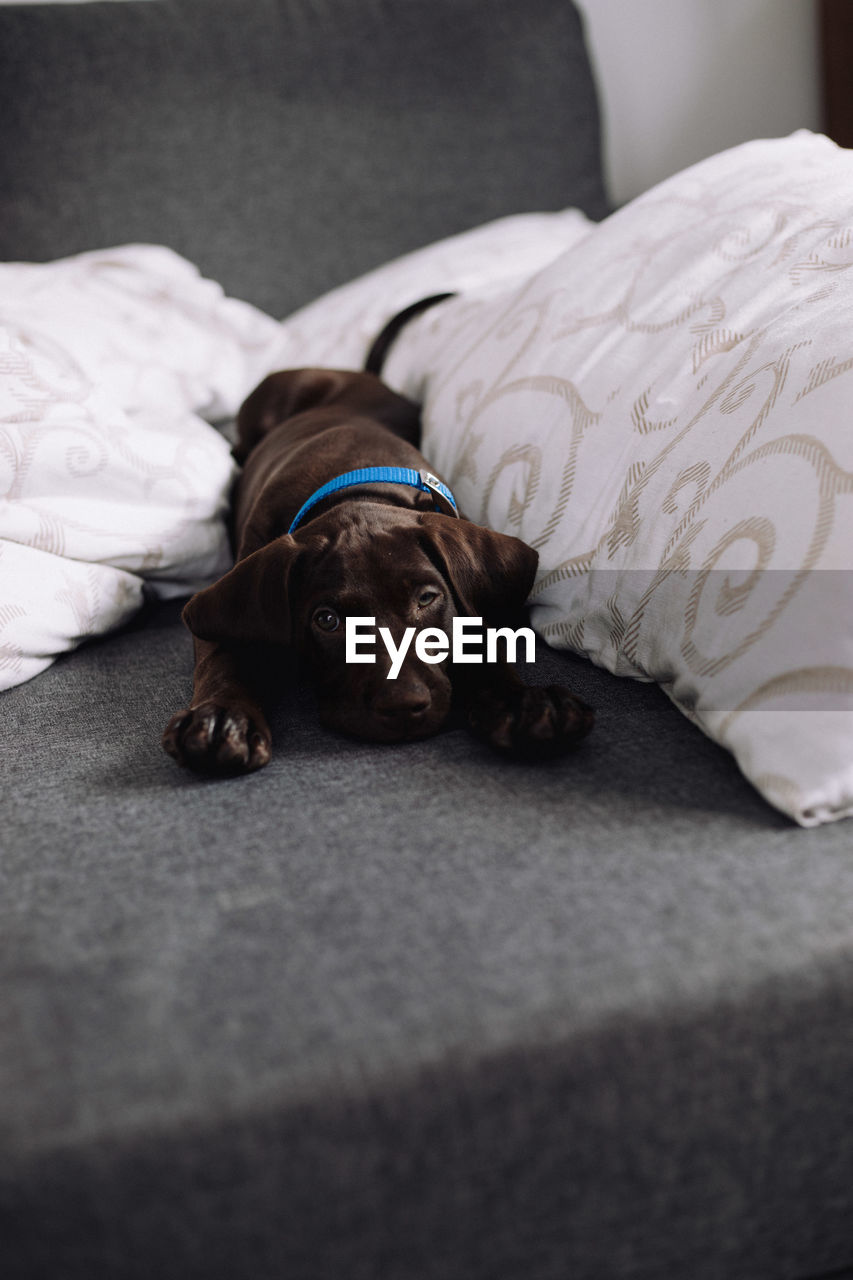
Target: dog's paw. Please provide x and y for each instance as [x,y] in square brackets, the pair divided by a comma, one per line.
[530,722]
[214,739]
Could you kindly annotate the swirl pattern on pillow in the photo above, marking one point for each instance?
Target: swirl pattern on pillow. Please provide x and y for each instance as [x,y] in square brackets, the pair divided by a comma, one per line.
[664,412]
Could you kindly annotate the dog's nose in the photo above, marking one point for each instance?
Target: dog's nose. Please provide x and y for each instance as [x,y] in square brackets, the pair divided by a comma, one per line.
[400,706]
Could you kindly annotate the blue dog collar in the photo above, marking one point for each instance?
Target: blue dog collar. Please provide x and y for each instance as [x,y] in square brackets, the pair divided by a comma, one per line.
[424,480]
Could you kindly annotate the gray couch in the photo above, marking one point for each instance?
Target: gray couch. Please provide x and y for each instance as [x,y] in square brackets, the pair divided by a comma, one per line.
[404,1012]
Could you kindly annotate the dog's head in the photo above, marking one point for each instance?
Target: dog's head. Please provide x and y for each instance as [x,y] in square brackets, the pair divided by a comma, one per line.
[403,568]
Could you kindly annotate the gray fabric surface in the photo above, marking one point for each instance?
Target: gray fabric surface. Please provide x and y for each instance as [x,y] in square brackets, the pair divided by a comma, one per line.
[406,1012]
[288,145]
[411,1011]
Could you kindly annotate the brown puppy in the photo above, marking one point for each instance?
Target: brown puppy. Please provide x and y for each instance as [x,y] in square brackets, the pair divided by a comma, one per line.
[376,550]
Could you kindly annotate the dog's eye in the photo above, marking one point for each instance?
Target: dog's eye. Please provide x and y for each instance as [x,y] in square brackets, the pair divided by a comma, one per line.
[428,596]
[326,619]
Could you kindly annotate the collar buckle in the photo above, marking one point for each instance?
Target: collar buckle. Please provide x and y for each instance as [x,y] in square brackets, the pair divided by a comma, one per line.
[440,493]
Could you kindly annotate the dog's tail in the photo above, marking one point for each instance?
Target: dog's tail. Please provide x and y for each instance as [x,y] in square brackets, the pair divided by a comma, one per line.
[378,352]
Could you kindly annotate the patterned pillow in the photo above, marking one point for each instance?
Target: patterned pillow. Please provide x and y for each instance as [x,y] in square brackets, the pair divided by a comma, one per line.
[666,413]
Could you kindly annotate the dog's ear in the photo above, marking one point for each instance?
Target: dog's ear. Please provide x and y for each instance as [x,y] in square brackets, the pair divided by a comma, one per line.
[282,395]
[251,602]
[491,573]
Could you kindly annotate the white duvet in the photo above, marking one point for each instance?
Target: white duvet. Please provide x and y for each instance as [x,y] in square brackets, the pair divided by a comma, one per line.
[112,482]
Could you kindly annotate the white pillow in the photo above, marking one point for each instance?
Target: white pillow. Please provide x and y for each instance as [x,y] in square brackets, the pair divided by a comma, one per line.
[666,413]
[336,330]
[109,478]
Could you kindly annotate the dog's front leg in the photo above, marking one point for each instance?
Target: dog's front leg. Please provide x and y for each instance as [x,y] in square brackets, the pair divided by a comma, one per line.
[224,731]
[527,722]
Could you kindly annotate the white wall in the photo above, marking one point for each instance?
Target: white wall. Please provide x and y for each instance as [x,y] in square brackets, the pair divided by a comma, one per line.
[682,79]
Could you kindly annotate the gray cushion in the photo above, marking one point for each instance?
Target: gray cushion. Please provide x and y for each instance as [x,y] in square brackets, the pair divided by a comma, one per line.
[288,145]
[411,1011]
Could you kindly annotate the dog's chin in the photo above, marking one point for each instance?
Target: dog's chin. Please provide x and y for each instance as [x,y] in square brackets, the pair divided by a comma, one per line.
[366,727]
